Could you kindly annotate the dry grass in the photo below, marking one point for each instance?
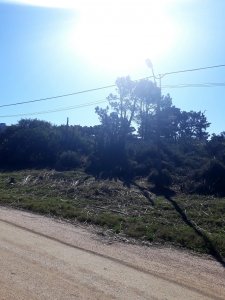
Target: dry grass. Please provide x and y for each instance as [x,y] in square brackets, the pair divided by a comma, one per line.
[129,210]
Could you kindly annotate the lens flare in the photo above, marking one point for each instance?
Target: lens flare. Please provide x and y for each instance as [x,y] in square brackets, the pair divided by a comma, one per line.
[121,35]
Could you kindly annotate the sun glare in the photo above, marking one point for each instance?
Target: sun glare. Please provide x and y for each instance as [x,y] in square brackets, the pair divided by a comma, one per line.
[118,35]
[121,35]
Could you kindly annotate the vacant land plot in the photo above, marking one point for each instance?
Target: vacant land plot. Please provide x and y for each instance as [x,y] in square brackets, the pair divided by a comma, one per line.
[131,211]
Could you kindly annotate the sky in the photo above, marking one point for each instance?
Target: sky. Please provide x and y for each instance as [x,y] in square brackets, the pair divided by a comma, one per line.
[50,48]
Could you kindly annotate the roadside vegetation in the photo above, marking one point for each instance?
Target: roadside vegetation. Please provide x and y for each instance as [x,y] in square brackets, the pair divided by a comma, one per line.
[132,211]
[149,170]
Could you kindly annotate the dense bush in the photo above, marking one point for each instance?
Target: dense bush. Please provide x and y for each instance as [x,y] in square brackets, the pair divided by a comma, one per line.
[212,179]
[68,160]
[160,178]
[141,134]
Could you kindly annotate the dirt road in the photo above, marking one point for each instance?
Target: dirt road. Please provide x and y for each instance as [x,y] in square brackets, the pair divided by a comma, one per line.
[45,259]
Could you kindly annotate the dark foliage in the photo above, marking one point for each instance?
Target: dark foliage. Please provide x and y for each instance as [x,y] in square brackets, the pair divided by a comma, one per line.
[68,160]
[160,178]
[140,135]
[212,179]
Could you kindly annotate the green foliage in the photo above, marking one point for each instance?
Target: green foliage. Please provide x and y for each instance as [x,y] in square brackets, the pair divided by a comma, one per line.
[68,160]
[212,178]
[141,134]
[160,178]
[75,196]
[29,144]
[216,147]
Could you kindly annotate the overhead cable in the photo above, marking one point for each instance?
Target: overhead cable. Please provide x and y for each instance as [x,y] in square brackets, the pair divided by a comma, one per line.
[108,86]
[55,110]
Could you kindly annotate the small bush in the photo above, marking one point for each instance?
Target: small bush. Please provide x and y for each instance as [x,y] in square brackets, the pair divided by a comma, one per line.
[160,178]
[68,160]
[213,178]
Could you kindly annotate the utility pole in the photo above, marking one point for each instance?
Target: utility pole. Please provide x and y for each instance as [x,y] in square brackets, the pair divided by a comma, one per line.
[150,66]
[158,104]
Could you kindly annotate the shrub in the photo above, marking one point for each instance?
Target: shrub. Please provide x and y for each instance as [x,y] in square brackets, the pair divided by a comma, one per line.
[68,160]
[214,177]
[160,178]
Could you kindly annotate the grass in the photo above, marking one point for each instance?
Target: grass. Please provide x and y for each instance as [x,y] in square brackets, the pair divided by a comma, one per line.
[192,222]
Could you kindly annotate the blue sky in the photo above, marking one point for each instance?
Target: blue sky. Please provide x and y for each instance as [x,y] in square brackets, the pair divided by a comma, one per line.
[60,49]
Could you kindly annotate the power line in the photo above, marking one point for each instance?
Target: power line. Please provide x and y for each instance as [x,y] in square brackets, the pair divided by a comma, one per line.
[55,110]
[66,95]
[58,96]
[108,86]
[192,70]
[195,85]
[182,85]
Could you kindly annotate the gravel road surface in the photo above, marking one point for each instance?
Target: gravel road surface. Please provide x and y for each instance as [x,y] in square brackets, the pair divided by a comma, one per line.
[42,258]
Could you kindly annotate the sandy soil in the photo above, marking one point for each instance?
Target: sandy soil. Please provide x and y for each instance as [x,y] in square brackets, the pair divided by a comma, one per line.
[41,258]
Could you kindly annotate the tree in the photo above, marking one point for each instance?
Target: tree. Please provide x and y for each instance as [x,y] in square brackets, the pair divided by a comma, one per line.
[193,125]
[31,143]
[148,96]
[116,126]
[116,129]
[216,147]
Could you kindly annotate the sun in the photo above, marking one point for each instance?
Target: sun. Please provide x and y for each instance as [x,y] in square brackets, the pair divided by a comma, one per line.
[119,35]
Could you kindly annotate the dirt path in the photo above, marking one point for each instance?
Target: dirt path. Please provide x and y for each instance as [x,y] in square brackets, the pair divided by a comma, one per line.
[45,259]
